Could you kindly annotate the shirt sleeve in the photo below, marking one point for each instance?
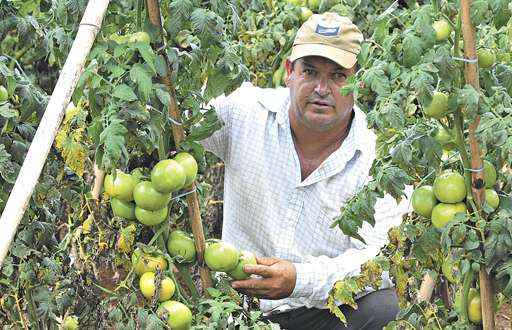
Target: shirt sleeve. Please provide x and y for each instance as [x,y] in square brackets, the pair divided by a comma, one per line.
[317,275]
[219,142]
[229,112]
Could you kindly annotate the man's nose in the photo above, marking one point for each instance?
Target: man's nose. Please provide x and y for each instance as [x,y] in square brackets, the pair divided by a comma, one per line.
[322,86]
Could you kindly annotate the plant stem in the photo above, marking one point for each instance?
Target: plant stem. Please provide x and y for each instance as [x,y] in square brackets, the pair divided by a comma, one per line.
[466,285]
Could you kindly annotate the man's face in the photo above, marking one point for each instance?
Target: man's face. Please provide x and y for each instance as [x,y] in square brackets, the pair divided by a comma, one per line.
[316,101]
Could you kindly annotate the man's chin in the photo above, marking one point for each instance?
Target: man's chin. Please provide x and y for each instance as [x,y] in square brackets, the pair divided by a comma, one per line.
[320,123]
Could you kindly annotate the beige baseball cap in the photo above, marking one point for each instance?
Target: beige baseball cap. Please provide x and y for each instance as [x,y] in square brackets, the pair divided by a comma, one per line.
[328,35]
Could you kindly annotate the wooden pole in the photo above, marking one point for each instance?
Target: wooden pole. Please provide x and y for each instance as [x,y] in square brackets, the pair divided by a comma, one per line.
[49,125]
[427,287]
[179,135]
[477,175]
[99,175]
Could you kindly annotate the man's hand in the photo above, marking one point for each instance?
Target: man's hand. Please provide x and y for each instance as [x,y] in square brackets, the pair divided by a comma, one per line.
[277,282]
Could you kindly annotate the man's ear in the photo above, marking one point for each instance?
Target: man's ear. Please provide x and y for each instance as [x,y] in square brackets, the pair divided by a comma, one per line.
[288,65]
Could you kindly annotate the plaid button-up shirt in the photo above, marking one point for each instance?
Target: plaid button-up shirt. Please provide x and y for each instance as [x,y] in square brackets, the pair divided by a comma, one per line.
[269,210]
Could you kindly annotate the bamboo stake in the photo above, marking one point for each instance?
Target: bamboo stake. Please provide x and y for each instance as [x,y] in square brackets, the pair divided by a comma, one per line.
[471,75]
[179,135]
[43,139]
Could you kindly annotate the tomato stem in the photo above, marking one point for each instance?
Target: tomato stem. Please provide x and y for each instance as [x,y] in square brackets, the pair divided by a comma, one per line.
[466,285]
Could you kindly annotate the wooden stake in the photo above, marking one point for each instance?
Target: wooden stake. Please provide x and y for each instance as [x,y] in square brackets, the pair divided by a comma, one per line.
[427,287]
[179,135]
[99,175]
[477,175]
[49,125]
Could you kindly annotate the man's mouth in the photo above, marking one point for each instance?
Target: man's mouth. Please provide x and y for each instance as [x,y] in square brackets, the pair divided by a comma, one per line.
[322,103]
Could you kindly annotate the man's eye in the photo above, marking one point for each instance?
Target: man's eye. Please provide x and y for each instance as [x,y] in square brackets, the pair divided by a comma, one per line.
[308,72]
[339,76]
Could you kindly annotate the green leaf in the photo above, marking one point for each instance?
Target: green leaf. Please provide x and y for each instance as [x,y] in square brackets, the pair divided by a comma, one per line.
[412,49]
[124,92]
[376,78]
[501,12]
[147,54]
[142,78]
[392,180]
[468,98]
[479,11]
[8,169]
[7,111]
[113,142]
[504,75]
[358,209]
[206,24]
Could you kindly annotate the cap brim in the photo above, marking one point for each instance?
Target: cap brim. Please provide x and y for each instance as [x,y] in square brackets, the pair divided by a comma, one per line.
[342,57]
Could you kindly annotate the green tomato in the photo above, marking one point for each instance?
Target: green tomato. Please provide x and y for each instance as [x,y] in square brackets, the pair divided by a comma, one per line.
[139,37]
[148,287]
[438,107]
[444,213]
[221,256]
[189,164]
[450,187]
[179,316]
[3,94]
[123,209]
[147,197]
[145,262]
[475,309]
[121,186]
[490,174]
[424,200]
[181,245]
[168,176]
[70,323]
[443,29]
[150,217]
[492,198]
[486,58]
[246,258]
[445,138]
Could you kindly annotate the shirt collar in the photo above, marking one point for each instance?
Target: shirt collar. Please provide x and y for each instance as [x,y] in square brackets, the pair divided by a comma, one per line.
[278,101]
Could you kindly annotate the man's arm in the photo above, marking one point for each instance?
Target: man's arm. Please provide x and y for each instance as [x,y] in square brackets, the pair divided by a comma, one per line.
[312,280]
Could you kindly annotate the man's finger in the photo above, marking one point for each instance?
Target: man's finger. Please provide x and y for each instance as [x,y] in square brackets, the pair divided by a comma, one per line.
[250,284]
[261,270]
[266,261]
[262,294]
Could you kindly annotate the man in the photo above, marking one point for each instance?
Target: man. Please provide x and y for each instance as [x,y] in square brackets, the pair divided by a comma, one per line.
[293,156]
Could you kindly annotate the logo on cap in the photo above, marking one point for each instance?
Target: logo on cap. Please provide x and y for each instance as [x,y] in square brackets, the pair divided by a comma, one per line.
[327,31]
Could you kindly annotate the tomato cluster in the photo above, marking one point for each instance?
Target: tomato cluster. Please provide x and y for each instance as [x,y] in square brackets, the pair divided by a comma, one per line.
[445,199]
[147,266]
[132,197]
